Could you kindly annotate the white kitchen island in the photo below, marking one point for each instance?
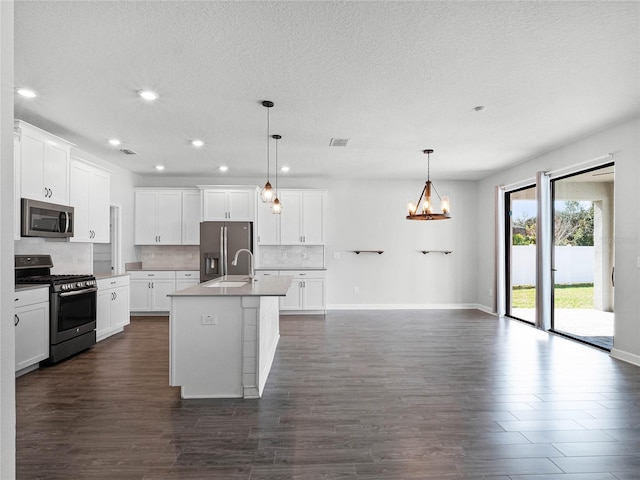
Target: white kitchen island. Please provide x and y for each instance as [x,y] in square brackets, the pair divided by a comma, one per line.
[223,336]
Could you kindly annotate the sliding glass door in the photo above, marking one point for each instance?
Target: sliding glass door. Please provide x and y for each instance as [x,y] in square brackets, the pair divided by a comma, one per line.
[582,257]
[521,215]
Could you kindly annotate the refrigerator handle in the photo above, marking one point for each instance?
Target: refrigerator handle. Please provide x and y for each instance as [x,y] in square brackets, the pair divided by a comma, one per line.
[226,252]
[223,260]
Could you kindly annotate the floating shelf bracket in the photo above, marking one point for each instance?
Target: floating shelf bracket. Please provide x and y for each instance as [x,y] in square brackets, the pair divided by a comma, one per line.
[446,252]
[358,252]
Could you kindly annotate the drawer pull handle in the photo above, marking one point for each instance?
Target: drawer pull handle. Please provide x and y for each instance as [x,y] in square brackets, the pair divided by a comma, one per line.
[16,320]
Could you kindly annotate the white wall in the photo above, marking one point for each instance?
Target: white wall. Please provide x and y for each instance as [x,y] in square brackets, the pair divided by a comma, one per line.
[623,141]
[7,335]
[370,215]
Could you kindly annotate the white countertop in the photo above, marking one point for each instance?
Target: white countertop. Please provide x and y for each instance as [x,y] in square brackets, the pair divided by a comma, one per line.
[102,276]
[276,286]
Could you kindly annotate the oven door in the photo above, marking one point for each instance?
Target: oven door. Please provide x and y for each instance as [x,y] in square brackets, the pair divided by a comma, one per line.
[72,314]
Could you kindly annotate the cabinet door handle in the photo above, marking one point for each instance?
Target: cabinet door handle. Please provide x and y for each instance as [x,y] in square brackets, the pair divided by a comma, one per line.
[159,238]
[187,274]
[16,320]
[149,285]
[115,295]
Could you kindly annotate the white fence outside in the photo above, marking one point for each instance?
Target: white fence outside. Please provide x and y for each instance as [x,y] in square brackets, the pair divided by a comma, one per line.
[573,264]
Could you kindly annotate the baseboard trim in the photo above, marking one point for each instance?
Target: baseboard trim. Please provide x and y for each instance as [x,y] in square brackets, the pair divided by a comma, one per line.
[419,306]
[625,356]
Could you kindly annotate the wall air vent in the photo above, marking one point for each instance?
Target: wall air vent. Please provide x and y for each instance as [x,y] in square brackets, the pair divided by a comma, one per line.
[126,151]
[338,142]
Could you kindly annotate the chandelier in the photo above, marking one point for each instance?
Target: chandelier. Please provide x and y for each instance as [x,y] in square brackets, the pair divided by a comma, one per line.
[426,212]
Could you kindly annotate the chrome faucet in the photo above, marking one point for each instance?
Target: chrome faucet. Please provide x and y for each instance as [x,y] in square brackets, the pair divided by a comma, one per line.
[252,276]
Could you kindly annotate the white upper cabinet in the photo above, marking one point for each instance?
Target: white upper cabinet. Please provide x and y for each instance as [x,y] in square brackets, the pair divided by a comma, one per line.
[191,215]
[228,203]
[167,216]
[44,164]
[158,217]
[89,194]
[268,225]
[302,217]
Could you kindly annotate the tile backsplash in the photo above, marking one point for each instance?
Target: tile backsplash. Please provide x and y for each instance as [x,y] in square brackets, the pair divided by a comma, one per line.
[71,258]
[174,257]
[291,256]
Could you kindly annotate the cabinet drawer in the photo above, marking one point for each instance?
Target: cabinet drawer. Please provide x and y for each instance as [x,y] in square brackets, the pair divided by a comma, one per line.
[153,274]
[302,274]
[31,296]
[267,273]
[113,282]
[188,274]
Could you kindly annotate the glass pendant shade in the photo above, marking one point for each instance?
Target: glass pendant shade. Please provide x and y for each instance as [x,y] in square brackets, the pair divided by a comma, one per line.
[267,193]
[276,207]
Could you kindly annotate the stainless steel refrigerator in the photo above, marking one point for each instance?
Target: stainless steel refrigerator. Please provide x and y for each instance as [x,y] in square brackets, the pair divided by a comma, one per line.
[219,242]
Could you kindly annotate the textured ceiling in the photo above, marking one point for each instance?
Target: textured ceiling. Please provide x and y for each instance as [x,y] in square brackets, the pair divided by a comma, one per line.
[393,77]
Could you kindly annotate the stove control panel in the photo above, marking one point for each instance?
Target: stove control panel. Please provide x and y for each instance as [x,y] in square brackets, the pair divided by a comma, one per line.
[78,285]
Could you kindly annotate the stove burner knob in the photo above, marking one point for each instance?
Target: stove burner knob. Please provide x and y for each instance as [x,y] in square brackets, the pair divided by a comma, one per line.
[79,284]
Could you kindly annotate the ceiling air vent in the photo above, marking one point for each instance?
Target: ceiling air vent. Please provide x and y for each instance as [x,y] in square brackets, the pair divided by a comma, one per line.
[126,151]
[338,142]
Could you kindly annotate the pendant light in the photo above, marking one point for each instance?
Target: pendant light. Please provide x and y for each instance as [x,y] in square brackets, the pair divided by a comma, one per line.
[267,193]
[427,213]
[276,208]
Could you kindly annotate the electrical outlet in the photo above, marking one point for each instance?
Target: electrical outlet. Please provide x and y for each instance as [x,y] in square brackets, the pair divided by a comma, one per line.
[209,319]
[356,289]
[304,256]
[336,255]
[491,292]
[284,255]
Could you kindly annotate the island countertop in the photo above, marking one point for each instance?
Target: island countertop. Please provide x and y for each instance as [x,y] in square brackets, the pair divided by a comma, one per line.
[276,286]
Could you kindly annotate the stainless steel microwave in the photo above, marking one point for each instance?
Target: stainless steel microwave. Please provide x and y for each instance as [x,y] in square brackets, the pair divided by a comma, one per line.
[42,219]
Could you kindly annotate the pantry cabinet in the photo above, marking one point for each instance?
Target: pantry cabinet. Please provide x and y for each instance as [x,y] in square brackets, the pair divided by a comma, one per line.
[44,164]
[228,204]
[89,194]
[31,321]
[158,217]
[112,311]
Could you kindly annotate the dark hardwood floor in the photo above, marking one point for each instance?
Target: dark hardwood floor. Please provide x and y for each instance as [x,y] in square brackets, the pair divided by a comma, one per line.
[356,395]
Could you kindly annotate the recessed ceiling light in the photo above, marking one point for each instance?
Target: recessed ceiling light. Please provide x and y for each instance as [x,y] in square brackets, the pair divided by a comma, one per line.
[160,167]
[480,108]
[197,143]
[26,92]
[223,168]
[148,95]
[284,169]
[114,141]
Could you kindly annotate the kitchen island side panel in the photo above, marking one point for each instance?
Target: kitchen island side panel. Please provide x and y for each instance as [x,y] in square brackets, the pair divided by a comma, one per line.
[206,346]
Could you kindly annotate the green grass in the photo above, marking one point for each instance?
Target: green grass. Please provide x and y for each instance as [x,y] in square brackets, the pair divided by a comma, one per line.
[577,295]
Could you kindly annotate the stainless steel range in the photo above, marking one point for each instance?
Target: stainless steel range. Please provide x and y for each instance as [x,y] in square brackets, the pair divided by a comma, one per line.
[72,304]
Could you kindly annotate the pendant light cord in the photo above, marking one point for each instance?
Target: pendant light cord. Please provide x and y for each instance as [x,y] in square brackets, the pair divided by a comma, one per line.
[268,137]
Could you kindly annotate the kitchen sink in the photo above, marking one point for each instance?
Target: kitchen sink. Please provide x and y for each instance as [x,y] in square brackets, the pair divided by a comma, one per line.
[227,284]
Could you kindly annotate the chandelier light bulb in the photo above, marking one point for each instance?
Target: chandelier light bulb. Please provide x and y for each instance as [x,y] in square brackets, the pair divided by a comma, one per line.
[444,205]
[267,193]
[276,207]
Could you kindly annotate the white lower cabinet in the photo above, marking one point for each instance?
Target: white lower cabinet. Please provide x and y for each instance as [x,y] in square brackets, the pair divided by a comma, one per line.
[112,311]
[149,290]
[187,278]
[31,320]
[307,291]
